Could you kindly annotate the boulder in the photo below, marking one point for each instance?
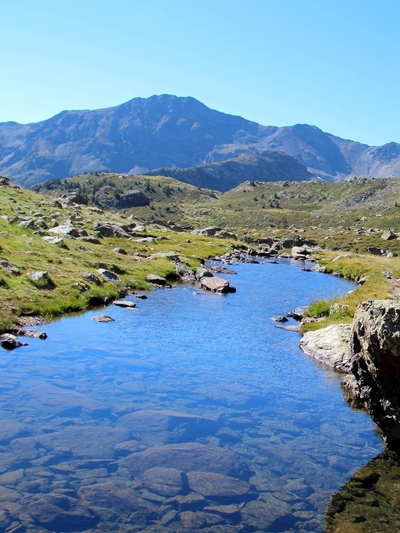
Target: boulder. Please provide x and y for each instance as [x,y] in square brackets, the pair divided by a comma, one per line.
[300,252]
[329,346]
[9,267]
[216,284]
[212,485]
[164,481]
[10,342]
[103,318]
[109,229]
[375,357]
[108,275]
[41,279]
[54,240]
[202,272]
[67,230]
[124,303]
[388,235]
[156,280]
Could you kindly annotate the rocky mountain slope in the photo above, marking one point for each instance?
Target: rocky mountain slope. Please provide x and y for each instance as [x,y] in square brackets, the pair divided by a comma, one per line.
[169,131]
[224,175]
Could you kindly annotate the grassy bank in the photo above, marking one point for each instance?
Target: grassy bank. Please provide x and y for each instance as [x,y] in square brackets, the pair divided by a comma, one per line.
[376,278]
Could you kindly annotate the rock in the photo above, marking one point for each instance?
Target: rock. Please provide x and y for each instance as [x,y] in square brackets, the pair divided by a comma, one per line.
[108,229]
[90,239]
[189,457]
[54,240]
[41,279]
[120,251]
[167,482]
[168,426]
[124,303]
[108,275]
[279,319]
[208,232]
[54,511]
[224,234]
[85,442]
[132,199]
[10,342]
[32,333]
[260,515]
[212,485]
[89,276]
[68,230]
[74,197]
[9,267]
[300,252]
[387,235]
[117,496]
[297,313]
[103,318]
[202,272]
[216,284]
[156,280]
[329,346]
[375,349]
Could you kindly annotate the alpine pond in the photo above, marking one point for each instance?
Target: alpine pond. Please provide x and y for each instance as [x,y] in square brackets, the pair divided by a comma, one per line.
[192,412]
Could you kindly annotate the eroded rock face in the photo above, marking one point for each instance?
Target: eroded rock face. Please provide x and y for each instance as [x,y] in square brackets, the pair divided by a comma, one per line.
[375,353]
[329,346]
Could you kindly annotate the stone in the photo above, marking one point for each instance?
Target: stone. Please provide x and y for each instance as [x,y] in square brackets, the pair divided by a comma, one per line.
[300,252]
[168,427]
[54,511]
[9,267]
[388,235]
[108,275]
[189,457]
[297,313]
[103,318]
[120,251]
[90,239]
[117,496]
[10,342]
[124,303]
[89,276]
[215,284]
[330,346]
[54,240]
[41,279]
[68,230]
[279,319]
[375,349]
[202,272]
[108,229]
[165,481]
[32,333]
[156,280]
[212,485]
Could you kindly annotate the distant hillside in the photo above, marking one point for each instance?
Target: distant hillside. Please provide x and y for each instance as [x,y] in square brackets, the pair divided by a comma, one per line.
[175,132]
[224,175]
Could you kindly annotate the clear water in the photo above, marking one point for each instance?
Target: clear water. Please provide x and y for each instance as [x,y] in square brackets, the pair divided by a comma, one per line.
[192,413]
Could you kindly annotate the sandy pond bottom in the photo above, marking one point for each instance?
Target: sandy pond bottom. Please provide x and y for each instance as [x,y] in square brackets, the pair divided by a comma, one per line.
[193,413]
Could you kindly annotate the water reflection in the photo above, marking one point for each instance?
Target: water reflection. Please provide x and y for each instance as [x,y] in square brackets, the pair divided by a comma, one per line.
[193,413]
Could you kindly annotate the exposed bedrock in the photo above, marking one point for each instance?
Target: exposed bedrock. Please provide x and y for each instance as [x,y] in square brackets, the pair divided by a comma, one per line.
[375,355]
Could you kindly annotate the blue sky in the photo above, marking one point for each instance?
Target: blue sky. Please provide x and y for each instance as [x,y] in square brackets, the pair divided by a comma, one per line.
[334,64]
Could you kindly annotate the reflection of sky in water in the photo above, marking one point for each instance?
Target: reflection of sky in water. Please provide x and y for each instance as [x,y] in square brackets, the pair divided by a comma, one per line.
[219,357]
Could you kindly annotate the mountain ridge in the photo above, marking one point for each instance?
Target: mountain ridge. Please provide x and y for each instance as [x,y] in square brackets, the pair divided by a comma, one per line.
[170,131]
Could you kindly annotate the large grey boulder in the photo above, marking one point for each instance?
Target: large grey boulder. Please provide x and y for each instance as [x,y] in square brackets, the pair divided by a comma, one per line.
[329,346]
[109,229]
[41,279]
[216,284]
[375,352]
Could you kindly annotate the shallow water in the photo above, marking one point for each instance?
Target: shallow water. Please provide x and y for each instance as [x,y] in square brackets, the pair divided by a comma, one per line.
[193,412]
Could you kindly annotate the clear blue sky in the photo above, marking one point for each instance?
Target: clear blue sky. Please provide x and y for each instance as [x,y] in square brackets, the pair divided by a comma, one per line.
[331,63]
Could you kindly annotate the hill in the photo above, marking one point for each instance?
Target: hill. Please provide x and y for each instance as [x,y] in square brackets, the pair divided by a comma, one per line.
[170,131]
[224,175]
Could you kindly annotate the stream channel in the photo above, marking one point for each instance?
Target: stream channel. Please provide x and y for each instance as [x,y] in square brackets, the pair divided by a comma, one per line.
[193,412]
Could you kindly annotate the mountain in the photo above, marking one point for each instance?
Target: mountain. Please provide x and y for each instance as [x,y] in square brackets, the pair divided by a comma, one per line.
[224,175]
[170,131]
